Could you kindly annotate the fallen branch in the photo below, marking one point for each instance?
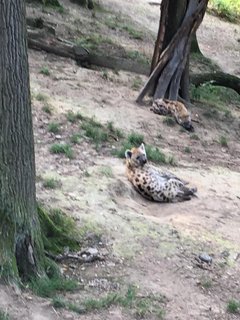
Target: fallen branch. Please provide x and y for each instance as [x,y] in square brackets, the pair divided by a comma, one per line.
[217,79]
[64,48]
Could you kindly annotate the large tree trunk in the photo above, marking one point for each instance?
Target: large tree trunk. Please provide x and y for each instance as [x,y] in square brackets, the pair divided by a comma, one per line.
[170,77]
[21,248]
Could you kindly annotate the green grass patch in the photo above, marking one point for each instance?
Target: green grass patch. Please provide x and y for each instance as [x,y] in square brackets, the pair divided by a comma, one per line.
[48,287]
[206,283]
[74,117]
[214,95]
[59,231]
[51,183]
[138,56]
[227,9]
[41,97]
[233,306]
[47,108]
[4,315]
[223,141]
[135,139]
[45,71]
[93,41]
[137,83]
[119,24]
[98,133]
[75,138]
[187,150]
[169,121]
[194,136]
[54,127]
[117,133]
[140,306]
[62,148]
[106,171]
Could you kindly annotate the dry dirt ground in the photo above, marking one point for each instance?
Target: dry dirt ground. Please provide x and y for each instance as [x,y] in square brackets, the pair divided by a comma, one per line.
[152,246]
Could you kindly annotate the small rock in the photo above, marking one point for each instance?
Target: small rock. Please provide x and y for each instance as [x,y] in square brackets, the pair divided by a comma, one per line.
[204,257]
[57,136]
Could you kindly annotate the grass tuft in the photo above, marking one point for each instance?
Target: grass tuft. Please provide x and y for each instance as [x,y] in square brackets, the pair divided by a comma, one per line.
[137,83]
[75,138]
[187,150]
[4,315]
[135,139]
[62,148]
[47,108]
[74,117]
[169,121]
[194,137]
[41,97]
[51,183]
[106,171]
[223,141]
[140,306]
[48,287]
[233,306]
[45,71]
[54,127]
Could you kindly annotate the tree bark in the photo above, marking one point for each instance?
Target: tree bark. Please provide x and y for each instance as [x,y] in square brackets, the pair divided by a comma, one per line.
[172,69]
[21,248]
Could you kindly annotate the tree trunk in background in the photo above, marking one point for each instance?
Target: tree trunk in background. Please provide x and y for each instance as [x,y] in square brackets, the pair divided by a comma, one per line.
[21,248]
[170,76]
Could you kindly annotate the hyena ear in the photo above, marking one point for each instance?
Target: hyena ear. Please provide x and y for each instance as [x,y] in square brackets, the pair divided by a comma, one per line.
[128,154]
[142,148]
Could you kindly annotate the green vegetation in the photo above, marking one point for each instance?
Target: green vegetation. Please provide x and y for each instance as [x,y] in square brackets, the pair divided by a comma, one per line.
[135,139]
[106,171]
[75,138]
[187,150]
[51,183]
[169,121]
[117,133]
[41,97]
[137,83]
[99,133]
[214,96]
[63,148]
[93,41]
[4,315]
[138,56]
[233,306]
[194,136]
[95,131]
[140,306]
[105,75]
[228,9]
[118,23]
[59,231]
[223,141]
[54,127]
[74,117]
[48,287]
[45,71]
[47,108]
[206,283]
